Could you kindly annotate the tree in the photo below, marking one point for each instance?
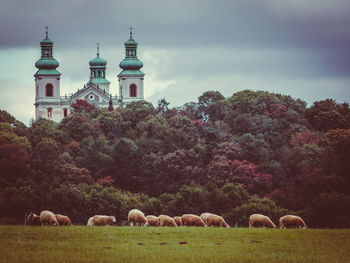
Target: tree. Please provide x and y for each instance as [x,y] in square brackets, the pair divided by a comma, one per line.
[184,133]
[221,170]
[153,135]
[337,144]
[206,100]
[97,157]
[328,115]
[77,127]
[180,168]
[13,161]
[44,129]
[125,164]
[162,106]
[136,111]
[110,122]
[82,106]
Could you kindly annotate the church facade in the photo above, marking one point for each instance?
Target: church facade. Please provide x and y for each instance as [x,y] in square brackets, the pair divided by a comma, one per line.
[51,105]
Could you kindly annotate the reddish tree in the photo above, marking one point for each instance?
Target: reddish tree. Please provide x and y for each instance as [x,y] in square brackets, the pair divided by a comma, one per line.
[82,106]
[304,137]
[222,170]
[106,181]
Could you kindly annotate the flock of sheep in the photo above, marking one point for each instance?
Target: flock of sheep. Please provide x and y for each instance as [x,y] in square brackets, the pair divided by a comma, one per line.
[137,218]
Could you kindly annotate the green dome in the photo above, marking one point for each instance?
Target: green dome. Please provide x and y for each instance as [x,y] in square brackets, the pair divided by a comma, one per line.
[47,63]
[130,41]
[46,41]
[98,62]
[131,63]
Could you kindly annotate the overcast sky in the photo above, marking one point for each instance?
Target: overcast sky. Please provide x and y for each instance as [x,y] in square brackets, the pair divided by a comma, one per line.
[297,47]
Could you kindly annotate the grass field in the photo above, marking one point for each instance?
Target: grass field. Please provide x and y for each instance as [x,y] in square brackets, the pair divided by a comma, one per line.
[185,244]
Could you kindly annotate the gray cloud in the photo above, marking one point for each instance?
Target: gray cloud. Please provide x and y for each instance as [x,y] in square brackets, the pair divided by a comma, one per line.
[187,46]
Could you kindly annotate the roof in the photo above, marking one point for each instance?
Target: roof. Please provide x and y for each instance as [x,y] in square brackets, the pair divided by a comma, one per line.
[135,73]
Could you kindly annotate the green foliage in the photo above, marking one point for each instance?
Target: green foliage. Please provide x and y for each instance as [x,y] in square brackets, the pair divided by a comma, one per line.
[328,115]
[110,123]
[137,110]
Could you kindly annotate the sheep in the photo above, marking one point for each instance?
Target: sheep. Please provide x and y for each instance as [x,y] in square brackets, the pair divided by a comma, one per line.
[90,222]
[258,220]
[215,220]
[204,217]
[63,220]
[178,220]
[292,221]
[192,220]
[48,218]
[33,220]
[165,220]
[101,220]
[152,220]
[136,217]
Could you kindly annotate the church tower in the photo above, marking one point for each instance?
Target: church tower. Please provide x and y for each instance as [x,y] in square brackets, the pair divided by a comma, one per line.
[98,72]
[47,84]
[131,78]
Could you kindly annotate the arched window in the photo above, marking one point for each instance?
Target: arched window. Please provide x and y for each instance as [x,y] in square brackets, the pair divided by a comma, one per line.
[49,113]
[133,90]
[65,112]
[49,90]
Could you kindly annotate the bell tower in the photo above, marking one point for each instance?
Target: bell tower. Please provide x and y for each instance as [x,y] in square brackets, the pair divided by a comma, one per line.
[131,77]
[47,83]
[98,71]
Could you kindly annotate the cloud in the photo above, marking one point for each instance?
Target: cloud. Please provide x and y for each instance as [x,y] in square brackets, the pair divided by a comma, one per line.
[295,47]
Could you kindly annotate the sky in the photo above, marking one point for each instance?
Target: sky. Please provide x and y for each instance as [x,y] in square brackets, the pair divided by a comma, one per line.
[299,48]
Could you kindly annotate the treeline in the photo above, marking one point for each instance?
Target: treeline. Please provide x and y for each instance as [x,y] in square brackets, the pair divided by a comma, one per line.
[254,152]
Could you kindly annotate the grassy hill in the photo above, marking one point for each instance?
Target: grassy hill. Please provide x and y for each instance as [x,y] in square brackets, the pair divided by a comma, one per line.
[186,244]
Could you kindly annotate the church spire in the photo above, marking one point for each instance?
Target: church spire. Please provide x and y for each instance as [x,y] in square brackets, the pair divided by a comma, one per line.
[110,107]
[47,62]
[98,71]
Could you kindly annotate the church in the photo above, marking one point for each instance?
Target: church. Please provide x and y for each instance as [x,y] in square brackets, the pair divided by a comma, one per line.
[51,105]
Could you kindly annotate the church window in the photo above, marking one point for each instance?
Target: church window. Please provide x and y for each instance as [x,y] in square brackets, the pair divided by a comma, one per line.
[49,90]
[99,73]
[133,90]
[65,112]
[49,113]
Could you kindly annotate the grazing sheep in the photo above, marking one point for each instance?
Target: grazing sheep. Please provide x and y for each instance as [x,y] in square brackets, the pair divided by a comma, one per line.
[178,220]
[152,220]
[90,222]
[192,220]
[165,220]
[137,218]
[258,220]
[33,220]
[101,220]
[48,218]
[292,221]
[204,217]
[215,220]
[63,220]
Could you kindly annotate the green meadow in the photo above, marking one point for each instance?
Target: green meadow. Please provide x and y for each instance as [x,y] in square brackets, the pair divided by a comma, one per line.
[182,244]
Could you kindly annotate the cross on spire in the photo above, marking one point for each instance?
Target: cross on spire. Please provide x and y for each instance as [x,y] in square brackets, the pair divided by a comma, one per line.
[98,49]
[131,28]
[47,29]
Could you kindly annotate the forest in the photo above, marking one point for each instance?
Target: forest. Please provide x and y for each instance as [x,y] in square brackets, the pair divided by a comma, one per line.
[252,152]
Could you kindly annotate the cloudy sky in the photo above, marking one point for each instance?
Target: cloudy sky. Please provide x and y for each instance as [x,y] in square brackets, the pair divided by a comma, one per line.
[296,47]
